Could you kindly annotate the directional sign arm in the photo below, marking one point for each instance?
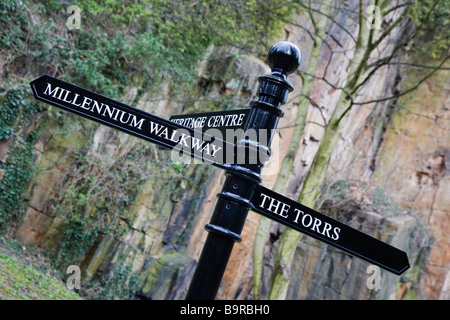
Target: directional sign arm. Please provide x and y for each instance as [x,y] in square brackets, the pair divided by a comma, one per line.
[131,120]
[317,225]
[221,120]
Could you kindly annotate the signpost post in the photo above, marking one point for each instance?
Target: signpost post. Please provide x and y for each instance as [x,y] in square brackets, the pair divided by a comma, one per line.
[242,180]
[243,162]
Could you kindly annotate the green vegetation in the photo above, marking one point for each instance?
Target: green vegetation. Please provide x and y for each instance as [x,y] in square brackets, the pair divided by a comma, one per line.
[432,18]
[21,282]
[18,165]
[119,283]
[120,41]
[341,196]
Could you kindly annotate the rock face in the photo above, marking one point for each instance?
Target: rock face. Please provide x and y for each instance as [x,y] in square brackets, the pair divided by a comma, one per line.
[133,218]
[413,168]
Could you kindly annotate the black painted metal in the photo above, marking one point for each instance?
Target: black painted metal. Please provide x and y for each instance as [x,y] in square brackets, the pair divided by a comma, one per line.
[326,229]
[120,116]
[233,203]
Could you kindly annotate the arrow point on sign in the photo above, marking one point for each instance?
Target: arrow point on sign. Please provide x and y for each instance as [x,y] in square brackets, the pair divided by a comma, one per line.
[404,257]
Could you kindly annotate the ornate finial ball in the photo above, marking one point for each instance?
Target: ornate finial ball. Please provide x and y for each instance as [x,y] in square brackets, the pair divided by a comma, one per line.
[284,56]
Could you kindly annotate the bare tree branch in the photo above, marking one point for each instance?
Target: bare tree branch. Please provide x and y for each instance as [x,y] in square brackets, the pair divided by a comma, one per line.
[396,7]
[410,89]
[329,17]
[414,65]
[388,31]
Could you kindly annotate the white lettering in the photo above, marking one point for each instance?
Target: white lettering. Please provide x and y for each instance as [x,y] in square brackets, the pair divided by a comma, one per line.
[75,99]
[174,132]
[317,223]
[326,228]
[206,149]
[138,124]
[48,91]
[65,97]
[165,133]
[215,150]
[197,310]
[197,144]
[242,309]
[310,220]
[233,122]
[216,121]
[336,231]
[117,114]
[241,119]
[298,214]
[209,122]
[264,200]
[183,139]
[60,93]
[96,106]
[128,119]
[284,209]
[154,127]
[273,206]
[107,108]
[85,101]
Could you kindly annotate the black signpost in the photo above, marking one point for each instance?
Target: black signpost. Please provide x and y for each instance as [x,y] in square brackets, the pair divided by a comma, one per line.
[243,161]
